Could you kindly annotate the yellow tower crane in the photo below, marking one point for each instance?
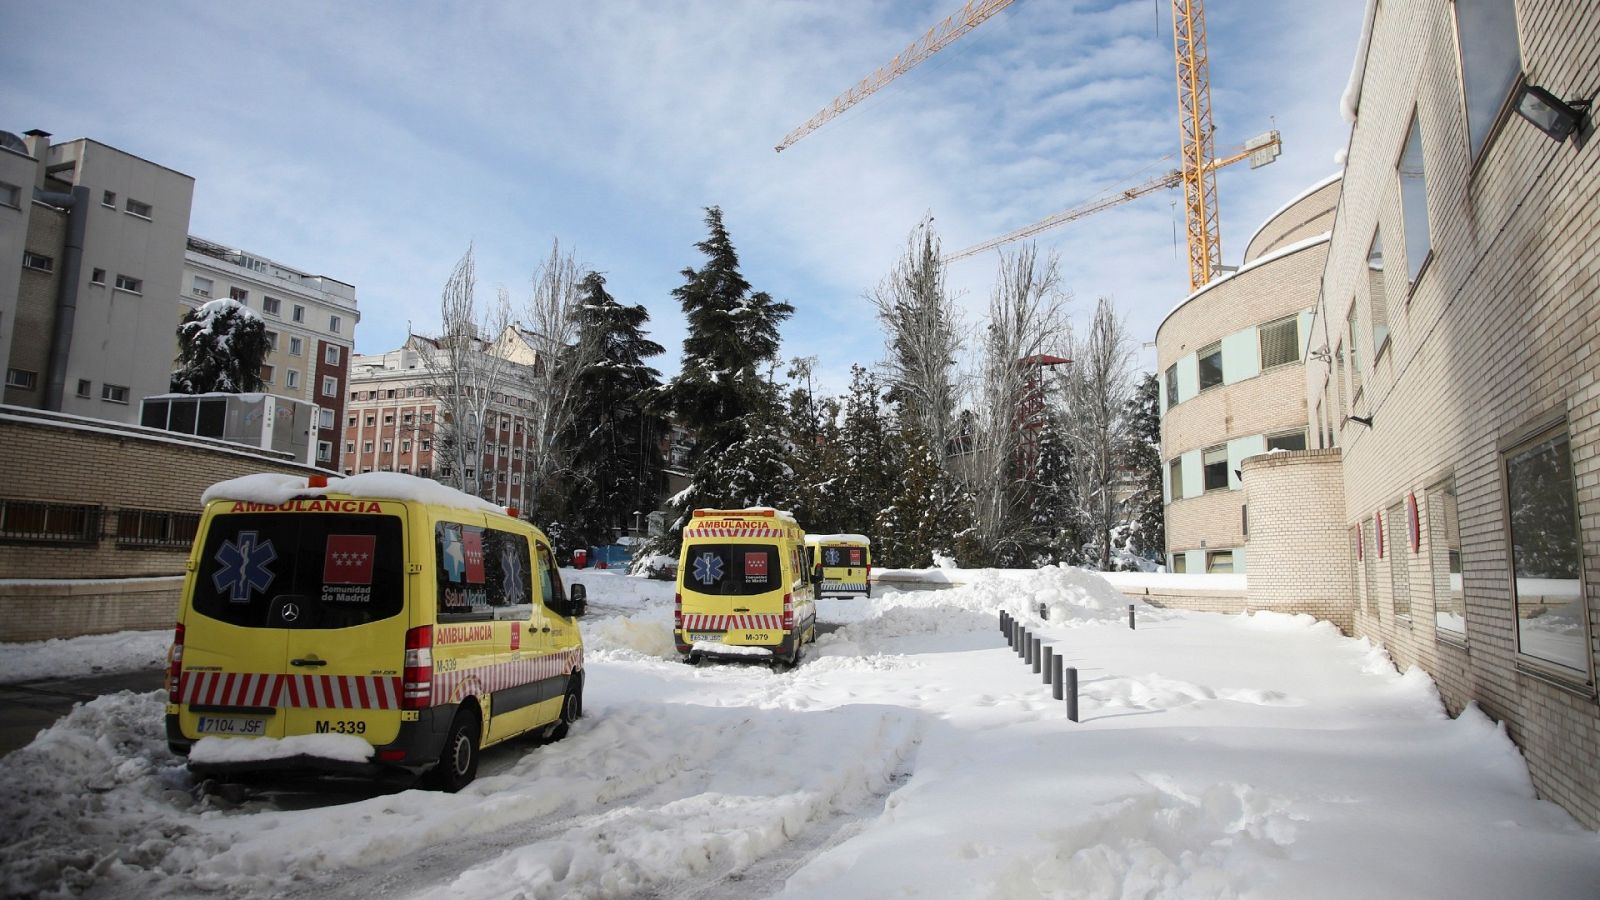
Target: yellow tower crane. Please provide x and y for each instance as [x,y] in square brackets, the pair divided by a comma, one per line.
[1199,164]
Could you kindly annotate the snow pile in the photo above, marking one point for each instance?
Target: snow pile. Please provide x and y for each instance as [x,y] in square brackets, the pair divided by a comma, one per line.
[127,651]
[610,590]
[337,747]
[721,649]
[631,636]
[274,489]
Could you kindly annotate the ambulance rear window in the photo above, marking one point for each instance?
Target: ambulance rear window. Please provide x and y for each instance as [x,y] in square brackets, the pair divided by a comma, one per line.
[844,555]
[732,569]
[300,571]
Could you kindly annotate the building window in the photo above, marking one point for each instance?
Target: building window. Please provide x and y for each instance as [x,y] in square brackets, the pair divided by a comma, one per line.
[98,276]
[153,528]
[299,313]
[405,446]
[1355,358]
[114,393]
[330,386]
[366,447]
[1486,37]
[1280,342]
[1288,440]
[296,346]
[423,471]
[1219,562]
[427,445]
[10,195]
[272,340]
[85,387]
[330,354]
[239,295]
[1444,559]
[109,199]
[135,208]
[22,378]
[349,446]
[324,451]
[1215,462]
[388,446]
[406,418]
[333,324]
[1180,563]
[291,378]
[388,418]
[471,474]
[1377,294]
[267,374]
[201,287]
[131,285]
[1210,366]
[325,418]
[1552,620]
[271,305]
[1370,566]
[37,262]
[371,420]
[1414,200]
[1399,563]
[54,523]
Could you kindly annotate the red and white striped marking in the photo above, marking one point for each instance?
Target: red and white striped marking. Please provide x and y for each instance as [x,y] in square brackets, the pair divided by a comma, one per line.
[451,687]
[696,622]
[290,691]
[728,531]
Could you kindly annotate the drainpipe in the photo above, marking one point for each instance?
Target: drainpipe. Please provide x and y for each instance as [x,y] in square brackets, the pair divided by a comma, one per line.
[77,206]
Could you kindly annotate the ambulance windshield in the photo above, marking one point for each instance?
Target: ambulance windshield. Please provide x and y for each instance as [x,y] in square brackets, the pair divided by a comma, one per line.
[300,571]
[731,569]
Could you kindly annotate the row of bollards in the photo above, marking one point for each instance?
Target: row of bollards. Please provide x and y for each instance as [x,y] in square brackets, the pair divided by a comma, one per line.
[1063,680]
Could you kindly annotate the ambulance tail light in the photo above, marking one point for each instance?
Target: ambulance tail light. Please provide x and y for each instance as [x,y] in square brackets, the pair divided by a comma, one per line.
[788,612]
[677,612]
[175,663]
[417,689]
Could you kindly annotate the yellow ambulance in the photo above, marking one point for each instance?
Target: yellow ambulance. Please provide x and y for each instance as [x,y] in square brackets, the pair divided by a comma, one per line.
[744,588]
[844,562]
[380,625]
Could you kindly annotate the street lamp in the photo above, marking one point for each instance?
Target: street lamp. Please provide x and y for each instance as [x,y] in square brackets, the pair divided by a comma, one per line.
[1549,113]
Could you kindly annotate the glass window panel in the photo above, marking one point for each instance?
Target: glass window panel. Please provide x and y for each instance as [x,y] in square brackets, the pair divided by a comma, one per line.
[1444,558]
[1215,463]
[1490,62]
[1377,293]
[1280,343]
[1211,366]
[1414,200]
[1552,624]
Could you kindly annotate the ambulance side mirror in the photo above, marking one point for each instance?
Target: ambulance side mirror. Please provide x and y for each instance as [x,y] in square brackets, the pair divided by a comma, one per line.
[577,600]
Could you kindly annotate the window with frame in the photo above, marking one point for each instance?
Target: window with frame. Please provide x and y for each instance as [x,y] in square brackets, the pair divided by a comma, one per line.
[1210,366]
[201,287]
[1175,477]
[1219,562]
[1280,342]
[349,446]
[1180,563]
[1444,558]
[1344,406]
[405,446]
[291,378]
[97,276]
[108,199]
[239,295]
[333,324]
[330,386]
[1172,386]
[324,451]
[272,340]
[156,528]
[1287,440]
[1491,63]
[366,447]
[1214,463]
[296,346]
[299,314]
[54,523]
[1546,560]
[114,393]
[371,420]
[22,379]
[388,446]
[131,285]
[10,195]
[331,354]
[138,208]
[1399,562]
[1355,357]
[1377,293]
[1414,200]
[388,418]
[268,373]
[37,262]
[85,388]
[271,305]
[325,418]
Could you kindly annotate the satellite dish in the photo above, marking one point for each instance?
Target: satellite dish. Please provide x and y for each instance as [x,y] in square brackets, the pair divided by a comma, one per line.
[12,142]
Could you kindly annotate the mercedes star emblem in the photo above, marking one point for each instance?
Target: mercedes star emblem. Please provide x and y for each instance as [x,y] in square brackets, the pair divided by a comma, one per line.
[291,611]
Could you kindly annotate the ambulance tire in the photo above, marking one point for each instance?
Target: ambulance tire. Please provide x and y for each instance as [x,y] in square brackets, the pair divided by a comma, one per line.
[458,761]
[571,709]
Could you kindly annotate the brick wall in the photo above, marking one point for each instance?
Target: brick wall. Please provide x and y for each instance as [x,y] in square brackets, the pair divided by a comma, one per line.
[1310,215]
[1299,549]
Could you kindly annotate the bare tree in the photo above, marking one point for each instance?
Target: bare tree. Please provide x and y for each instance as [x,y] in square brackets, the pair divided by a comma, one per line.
[463,375]
[560,358]
[922,324]
[1027,321]
[1099,387]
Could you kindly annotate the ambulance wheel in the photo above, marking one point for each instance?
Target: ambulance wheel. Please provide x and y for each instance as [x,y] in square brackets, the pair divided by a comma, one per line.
[571,709]
[458,761]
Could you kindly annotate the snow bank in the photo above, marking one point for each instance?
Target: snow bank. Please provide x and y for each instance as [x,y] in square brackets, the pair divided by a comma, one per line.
[337,747]
[124,651]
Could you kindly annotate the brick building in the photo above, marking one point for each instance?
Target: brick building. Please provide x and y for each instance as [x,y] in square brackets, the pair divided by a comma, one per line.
[1231,385]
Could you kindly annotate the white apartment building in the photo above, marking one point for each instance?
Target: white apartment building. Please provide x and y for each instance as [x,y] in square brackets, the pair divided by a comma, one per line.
[311,323]
[86,317]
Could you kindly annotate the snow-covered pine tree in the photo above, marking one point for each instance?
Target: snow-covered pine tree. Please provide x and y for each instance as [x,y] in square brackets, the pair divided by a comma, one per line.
[1141,461]
[867,470]
[615,442]
[221,345]
[1058,529]
[928,512]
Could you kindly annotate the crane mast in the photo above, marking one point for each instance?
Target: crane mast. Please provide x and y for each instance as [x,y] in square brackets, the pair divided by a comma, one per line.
[1196,132]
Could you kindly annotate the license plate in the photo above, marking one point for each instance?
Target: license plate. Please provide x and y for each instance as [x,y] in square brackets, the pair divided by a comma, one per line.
[714,636]
[232,726]
[756,637]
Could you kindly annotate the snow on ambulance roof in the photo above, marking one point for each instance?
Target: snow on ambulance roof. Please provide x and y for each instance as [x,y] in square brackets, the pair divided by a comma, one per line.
[836,539]
[763,511]
[273,488]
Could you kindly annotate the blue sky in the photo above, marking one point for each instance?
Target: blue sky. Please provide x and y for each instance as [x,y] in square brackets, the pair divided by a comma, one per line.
[372,142]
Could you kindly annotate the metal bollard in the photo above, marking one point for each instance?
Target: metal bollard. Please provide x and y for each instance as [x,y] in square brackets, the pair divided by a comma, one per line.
[1072,693]
[1005,623]
[1038,655]
[1022,644]
[1016,635]
[1130,616]
[1055,678]
[1030,646]
[1044,665]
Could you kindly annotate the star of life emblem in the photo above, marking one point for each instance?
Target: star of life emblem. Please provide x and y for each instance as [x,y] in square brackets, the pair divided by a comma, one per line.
[707,568]
[243,567]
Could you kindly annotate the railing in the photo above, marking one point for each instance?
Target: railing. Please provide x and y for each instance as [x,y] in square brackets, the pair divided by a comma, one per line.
[156,528]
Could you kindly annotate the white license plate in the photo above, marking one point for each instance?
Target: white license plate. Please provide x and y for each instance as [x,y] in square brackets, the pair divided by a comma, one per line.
[715,636]
[233,726]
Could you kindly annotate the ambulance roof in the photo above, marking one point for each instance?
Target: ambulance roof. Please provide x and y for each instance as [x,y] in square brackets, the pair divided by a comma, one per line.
[275,488]
[836,539]
[749,511]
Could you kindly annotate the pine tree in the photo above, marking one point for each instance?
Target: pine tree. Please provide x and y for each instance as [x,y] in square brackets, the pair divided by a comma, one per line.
[928,511]
[1058,533]
[221,345]
[1141,461]
[615,444]
[867,469]
[733,331]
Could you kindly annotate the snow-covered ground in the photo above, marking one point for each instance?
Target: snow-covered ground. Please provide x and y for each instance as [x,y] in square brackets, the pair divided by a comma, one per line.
[911,754]
[127,651]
